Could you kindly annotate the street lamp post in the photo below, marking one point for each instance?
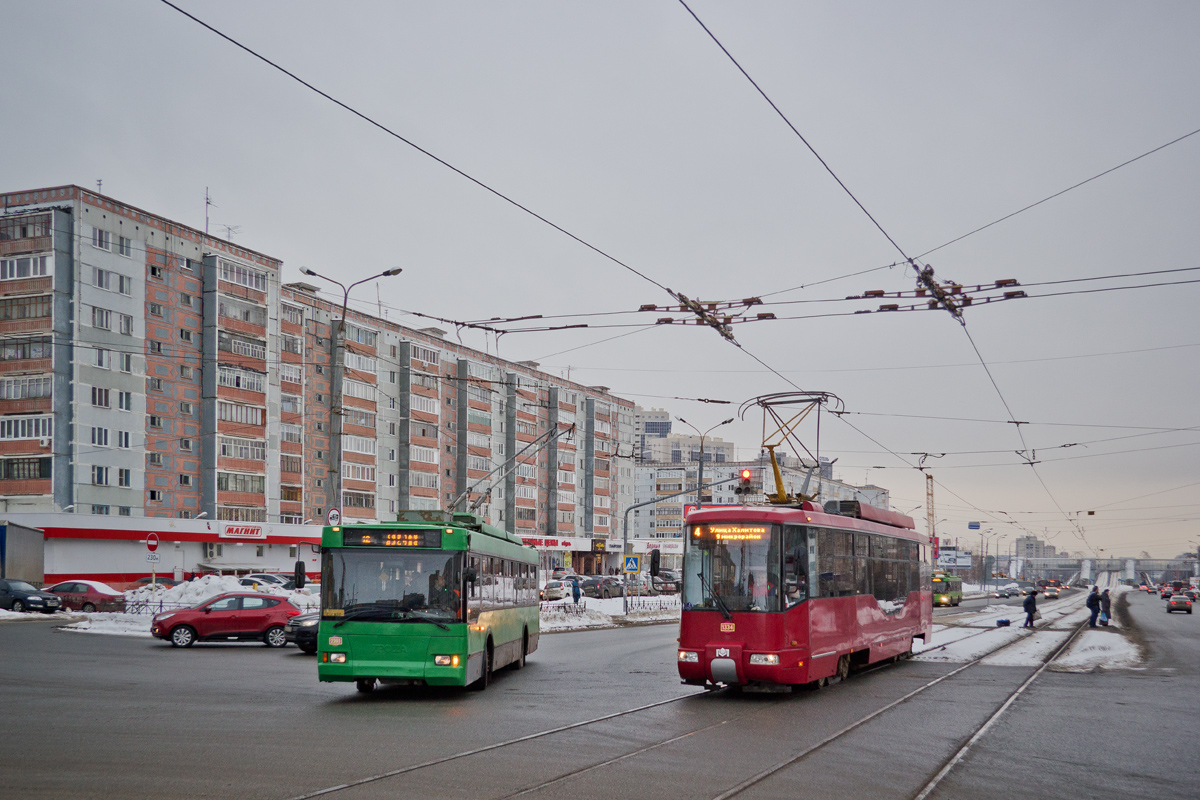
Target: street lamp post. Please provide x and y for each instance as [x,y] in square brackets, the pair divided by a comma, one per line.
[700,473]
[335,390]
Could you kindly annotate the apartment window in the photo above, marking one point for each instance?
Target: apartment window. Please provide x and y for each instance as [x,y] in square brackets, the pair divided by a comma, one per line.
[243,312]
[241,482]
[253,450]
[357,500]
[358,472]
[185,371]
[99,475]
[292,344]
[292,314]
[292,373]
[98,509]
[242,514]
[156,384]
[186,299]
[320,426]
[28,307]
[289,463]
[360,363]
[25,388]
[291,494]
[320,370]
[101,239]
[125,284]
[236,412]
[124,511]
[241,345]
[24,267]
[185,408]
[392,454]
[425,354]
[155,347]
[290,403]
[126,362]
[236,378]
[100,397]
[125,248]
[126,324]
[391,480]
[290,432]
[155,495]
[358,444]
[154,459]
[100,437]
[185,445]
[123,439]
[242,275]
[25,468]
[102,318]
[125,477]
[185,480]
[22,349]
[101,358]
[356,416]
[125,401]
[156,272]
[362,391]
[187,264]
[185,335]
[155,421]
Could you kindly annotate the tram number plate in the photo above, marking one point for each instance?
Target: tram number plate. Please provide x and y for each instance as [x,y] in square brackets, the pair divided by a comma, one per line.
[727,627]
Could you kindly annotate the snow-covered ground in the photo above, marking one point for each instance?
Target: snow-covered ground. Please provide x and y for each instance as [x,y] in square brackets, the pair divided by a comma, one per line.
[605,613]
[160,598]
[1098,648]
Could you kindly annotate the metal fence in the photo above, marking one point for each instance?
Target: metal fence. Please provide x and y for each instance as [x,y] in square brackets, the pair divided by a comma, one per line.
[563,608]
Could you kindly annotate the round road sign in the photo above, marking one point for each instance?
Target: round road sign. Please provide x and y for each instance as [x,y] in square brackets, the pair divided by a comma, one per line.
[334,517]
[152,542]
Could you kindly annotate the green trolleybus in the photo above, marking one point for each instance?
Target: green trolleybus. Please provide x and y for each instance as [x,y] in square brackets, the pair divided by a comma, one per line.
[947,589]
[435,598]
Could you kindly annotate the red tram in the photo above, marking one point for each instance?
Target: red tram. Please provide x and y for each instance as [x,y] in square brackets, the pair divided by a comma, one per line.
[776,596]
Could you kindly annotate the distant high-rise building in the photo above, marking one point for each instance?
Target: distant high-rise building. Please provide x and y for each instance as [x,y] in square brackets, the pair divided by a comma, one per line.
[647,426]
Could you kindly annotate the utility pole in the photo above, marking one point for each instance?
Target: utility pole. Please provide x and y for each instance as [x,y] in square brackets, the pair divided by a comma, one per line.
[335,390]
[931,526]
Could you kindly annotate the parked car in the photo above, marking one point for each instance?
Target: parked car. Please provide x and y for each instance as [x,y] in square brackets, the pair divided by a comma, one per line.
[21,596]
[230,616]
[267,580]
[302,631]
[558,573]
[159,580]
[1179,602]
[88,596]
[554,590]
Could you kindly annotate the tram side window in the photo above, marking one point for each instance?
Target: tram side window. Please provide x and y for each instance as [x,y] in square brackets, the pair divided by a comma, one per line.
[862,563]
[835,563]
[891,562]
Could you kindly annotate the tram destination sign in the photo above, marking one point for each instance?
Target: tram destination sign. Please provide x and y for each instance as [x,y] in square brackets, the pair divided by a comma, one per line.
[732,532]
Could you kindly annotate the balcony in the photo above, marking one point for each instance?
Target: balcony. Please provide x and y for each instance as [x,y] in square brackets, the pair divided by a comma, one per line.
[44,404]
[35,244]
[26,486]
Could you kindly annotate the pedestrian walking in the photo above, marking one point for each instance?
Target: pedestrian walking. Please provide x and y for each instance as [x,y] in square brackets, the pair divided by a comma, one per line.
[1093,604]
[575,590]
[1030,607]
[1105,607]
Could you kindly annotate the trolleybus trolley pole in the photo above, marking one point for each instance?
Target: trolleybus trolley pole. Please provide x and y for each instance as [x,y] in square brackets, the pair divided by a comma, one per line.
[625,531]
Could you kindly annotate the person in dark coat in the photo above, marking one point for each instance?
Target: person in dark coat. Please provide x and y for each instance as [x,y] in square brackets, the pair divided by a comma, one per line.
[1106,605]
[1030,609]
[1093,604]
[575,590]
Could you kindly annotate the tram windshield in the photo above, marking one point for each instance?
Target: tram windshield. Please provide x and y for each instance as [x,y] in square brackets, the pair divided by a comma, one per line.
[392,585]
[732,567]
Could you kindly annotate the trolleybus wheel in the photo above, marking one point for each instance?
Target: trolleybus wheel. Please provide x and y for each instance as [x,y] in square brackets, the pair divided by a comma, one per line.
[843,668]
[365,685]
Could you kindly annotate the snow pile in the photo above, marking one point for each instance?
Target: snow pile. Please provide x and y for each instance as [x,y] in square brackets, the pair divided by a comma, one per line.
[1030,652]
[113,624]
[1098,649]
[561,615]
[15,616]
[151,599]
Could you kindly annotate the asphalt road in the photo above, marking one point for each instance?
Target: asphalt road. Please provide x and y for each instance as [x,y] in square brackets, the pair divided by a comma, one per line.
[89,716]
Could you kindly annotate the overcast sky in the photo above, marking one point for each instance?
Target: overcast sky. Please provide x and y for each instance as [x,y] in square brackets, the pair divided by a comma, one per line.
[625,124]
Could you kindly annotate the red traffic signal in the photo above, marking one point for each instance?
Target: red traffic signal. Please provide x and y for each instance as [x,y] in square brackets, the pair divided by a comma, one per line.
[743,486]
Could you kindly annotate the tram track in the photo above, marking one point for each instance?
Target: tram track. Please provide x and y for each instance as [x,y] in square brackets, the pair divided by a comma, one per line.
[748,782]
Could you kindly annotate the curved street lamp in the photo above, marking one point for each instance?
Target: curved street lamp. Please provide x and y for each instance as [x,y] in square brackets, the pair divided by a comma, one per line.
[700,473]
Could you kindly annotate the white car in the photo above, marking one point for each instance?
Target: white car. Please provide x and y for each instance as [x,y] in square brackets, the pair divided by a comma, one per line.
[265,579]
[555,590]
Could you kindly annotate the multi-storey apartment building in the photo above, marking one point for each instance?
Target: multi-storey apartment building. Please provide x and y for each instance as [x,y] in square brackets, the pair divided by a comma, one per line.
[148,369]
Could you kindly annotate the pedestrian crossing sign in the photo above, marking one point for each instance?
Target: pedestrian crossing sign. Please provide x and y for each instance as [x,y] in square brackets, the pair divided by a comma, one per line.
[633,563]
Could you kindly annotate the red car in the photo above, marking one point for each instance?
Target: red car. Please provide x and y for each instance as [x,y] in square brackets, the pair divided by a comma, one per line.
[240,616]
[88,596]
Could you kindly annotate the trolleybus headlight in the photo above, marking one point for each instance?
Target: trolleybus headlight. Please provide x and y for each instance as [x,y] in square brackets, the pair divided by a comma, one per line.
[337,658]
[446,661]
[689,656]
[764,658]
[944,599]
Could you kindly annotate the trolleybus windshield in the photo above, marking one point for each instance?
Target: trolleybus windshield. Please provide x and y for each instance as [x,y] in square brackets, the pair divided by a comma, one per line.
[392,585]
[732,564]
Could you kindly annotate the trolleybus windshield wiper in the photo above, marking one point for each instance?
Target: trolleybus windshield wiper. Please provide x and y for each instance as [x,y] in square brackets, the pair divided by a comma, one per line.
[417,615]
[720,603]
[379,610]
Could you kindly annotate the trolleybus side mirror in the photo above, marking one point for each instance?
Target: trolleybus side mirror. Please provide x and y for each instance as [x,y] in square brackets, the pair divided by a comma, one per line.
[470,575]
[301,575]
[655,562]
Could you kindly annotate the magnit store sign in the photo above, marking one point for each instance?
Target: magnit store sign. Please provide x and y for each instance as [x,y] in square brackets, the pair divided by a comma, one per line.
[243,532]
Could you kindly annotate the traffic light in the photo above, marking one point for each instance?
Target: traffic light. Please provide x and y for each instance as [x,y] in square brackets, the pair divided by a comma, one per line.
[743,486]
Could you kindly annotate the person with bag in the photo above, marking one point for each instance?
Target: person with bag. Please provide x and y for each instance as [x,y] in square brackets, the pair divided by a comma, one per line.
[1105,607]
[1093,604]
[1031,612]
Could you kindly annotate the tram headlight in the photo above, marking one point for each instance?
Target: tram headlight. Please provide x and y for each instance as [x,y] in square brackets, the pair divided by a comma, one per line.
[766,659]
[446,661]
[690,656]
